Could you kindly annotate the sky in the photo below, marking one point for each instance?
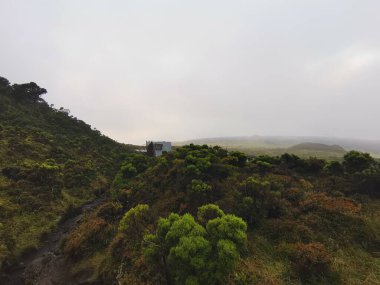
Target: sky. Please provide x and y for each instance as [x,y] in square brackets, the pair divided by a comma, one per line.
[176,70]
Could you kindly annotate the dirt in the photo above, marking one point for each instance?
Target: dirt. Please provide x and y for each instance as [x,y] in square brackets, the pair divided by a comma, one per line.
[47,265]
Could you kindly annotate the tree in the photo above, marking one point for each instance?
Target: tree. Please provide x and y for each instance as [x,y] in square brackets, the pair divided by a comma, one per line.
[334,168]
[4,86]
[241,158]
[290,160]
[4,82]
[28,92]
[355,161]
[150,149]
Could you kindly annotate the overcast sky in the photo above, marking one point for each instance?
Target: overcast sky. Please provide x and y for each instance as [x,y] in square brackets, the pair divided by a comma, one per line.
[177,70]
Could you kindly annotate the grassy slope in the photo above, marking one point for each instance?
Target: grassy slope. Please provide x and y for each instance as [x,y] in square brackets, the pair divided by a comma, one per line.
[50,163]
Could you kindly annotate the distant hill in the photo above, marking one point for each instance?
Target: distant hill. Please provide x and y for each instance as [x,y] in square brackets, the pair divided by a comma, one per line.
[317,146]
[330,148]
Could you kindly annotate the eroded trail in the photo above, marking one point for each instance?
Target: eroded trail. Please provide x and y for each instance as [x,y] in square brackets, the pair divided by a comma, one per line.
[47,265]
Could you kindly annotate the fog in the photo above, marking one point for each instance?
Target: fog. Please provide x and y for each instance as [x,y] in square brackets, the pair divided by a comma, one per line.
[176,70]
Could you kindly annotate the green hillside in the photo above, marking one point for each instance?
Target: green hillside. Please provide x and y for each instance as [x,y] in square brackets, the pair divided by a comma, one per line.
[97,213]
[50,164]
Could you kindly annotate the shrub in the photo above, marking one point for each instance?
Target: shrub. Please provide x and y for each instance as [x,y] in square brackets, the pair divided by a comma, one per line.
[89,235]
[288,230]
[293,195]
[355,161]
[134,222]
[312,259]
[192,254]
[322,202]
[199,191]
[334,168]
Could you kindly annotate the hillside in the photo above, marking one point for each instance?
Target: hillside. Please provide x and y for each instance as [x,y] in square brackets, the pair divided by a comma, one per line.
[50,164]
[80,208]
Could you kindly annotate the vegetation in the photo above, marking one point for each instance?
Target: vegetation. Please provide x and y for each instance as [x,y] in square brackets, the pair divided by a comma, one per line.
[203,215]
[50,164]
[196,215]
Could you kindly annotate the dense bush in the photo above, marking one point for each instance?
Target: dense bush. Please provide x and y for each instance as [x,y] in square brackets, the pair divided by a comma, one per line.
[193,254]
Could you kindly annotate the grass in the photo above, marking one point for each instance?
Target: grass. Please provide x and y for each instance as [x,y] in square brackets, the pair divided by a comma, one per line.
[89,267]
[28,228]
[264,265]
[356,267]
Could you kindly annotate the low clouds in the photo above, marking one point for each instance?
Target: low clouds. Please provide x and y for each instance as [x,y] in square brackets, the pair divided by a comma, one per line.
[346,66]
[177,70]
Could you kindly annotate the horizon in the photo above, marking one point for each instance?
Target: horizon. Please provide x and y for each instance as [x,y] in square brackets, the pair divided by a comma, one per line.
[285,136]
[205,69]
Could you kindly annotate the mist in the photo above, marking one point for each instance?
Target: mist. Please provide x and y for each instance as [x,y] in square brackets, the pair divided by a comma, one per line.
[177,70]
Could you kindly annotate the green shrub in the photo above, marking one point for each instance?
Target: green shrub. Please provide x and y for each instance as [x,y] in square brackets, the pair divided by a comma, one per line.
[192,254]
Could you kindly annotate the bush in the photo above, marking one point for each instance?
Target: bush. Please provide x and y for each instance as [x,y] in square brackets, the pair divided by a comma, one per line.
[288,230]
[322,202]
[312,260]
[134,222]
[92,234]
[192,254]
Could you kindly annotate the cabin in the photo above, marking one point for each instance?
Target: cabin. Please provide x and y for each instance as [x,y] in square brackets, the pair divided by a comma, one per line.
[159,147]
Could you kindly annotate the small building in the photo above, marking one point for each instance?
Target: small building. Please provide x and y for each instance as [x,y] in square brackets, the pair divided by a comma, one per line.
[159,147]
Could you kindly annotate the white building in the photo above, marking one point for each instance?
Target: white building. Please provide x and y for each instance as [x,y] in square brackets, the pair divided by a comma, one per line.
[160,147]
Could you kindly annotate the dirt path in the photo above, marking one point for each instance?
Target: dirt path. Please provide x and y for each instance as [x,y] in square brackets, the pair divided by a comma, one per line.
[47,265]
